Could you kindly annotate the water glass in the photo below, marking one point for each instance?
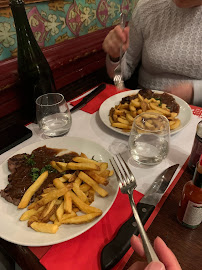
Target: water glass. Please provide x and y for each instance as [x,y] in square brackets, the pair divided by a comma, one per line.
[53,115]
[149,138]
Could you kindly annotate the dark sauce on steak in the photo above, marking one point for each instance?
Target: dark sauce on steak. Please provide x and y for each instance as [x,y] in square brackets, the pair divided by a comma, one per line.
[21,167]
[164,98]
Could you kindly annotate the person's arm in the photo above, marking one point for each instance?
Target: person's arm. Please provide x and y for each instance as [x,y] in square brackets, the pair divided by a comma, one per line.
[133,54]
[132,44]
[167,260]
[191,92]
[197,94]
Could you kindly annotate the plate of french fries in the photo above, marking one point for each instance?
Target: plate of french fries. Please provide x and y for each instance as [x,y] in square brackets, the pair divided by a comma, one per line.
[120,116]
[74,202]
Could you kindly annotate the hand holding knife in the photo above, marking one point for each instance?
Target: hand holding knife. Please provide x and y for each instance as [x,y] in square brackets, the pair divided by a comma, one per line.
[116,249]
[88,98]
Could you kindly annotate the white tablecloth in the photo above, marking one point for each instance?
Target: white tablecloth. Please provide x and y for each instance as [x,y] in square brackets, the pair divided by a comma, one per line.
[90,126]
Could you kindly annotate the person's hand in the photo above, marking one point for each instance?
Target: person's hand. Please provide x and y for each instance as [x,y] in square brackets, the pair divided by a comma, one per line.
[183,90]
[167,259]
[114,40]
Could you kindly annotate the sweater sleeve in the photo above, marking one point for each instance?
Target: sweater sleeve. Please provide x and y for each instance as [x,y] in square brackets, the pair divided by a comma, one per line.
[132,56]
[134,52]
[197,100]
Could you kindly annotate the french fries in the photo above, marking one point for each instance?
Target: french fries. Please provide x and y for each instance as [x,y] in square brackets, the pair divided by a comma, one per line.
[67,195]
[122,115]
[31,190]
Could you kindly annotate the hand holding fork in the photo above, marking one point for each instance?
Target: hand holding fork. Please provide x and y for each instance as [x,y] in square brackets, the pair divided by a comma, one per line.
[118,77]
[127,184]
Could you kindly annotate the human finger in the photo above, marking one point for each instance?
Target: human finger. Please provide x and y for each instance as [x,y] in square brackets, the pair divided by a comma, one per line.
[126,43]
[138,266]
[137,246]
[166,255]
[112,43]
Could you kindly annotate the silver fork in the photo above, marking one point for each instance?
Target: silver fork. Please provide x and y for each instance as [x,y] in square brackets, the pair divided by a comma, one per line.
[118,78]
[127,184]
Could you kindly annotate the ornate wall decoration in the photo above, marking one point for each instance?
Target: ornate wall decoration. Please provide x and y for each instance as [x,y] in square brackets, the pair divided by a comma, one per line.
[56,21]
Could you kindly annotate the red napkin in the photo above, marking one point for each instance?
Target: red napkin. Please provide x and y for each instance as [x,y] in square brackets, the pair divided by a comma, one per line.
[94,105]
[83,252]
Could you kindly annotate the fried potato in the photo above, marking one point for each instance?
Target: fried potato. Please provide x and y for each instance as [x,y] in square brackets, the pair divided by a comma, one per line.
[47,209]
[55,166]
[82,219]
[66,177]
[44,227]
[31,190]
[83,206]
[60,211]
[65,217]
[175,124]
[84,177]
[67,202]
[121,125]
[85,160]
[61,165]
[58,184]
[52,195]
[124,120]
[85,187]
[82,166]
[157,108]
[26,215]
[79,192]
[60,201]
[98,178]
[83,155]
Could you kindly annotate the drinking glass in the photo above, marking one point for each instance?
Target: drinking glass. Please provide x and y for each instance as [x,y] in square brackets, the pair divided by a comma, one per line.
[149,138]
[53,115]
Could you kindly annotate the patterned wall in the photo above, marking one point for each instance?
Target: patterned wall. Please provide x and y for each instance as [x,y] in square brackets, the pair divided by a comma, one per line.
[54,22]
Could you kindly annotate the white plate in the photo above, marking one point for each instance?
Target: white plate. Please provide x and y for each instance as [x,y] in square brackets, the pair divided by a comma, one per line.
[15,231]
[184,115]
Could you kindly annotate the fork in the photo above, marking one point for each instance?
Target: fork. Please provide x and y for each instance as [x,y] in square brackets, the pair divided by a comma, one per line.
[118,78]
[127,184]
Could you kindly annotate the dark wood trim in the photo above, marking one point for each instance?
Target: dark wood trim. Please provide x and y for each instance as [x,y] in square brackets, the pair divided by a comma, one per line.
[70,61]
[5,3]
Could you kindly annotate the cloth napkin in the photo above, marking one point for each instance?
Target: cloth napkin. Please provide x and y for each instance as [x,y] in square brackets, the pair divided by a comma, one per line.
[83,252]
[94,105]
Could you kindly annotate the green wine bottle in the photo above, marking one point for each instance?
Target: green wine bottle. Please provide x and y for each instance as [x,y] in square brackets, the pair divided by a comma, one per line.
[34,71]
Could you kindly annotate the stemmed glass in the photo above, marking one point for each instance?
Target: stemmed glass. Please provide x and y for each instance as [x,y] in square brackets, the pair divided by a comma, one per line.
[53,115]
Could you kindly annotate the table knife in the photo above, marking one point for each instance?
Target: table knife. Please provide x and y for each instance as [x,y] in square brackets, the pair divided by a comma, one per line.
[88,98]
[116,249]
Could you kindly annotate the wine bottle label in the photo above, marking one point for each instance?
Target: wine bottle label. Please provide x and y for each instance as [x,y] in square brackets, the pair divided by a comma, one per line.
[193,214]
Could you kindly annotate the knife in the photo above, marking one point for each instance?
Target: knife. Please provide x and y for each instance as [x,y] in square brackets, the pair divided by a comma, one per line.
[116,249]
[88,98]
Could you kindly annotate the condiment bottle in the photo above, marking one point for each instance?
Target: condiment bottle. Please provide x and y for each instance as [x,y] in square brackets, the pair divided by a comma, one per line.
[190,206]
[197,147]
[34,71]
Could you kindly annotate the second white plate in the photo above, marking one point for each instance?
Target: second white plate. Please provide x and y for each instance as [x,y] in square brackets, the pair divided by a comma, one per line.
[184,115]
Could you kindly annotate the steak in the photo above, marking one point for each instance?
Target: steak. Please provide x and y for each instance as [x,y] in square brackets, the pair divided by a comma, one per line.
[23,166]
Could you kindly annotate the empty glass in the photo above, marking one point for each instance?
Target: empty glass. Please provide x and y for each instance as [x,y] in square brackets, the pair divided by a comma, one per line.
[149,138]
[53,115]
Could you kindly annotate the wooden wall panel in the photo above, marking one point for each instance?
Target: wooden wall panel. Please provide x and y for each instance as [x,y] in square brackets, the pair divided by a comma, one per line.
[70,61]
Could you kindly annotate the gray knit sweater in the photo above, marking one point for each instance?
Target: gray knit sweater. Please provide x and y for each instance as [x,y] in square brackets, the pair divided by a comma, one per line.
[168,41]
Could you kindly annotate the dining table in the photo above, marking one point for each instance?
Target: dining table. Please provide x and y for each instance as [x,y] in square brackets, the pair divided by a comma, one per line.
[84,250]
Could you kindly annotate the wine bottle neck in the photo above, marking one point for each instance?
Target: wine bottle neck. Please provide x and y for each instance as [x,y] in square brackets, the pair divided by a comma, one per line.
[23,29]
[197,178]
